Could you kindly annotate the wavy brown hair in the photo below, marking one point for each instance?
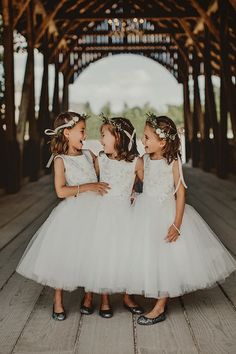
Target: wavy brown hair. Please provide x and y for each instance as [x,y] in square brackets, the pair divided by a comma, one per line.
[116,127]
[59,143]
[171,150]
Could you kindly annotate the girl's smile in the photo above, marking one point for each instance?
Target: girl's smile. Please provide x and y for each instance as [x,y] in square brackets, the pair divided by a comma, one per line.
[76,136]
[107,140]
[151,142]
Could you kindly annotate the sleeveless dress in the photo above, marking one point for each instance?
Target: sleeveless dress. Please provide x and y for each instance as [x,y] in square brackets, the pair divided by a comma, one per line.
[159,269]
[108,254]
[55,255]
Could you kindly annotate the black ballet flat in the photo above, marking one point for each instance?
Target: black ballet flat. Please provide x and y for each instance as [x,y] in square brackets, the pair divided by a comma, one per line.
[145,321]
[58,316]
[106,313]
[135,310]
[85,310]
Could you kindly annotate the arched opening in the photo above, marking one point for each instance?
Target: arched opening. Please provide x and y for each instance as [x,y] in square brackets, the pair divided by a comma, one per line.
[127,85]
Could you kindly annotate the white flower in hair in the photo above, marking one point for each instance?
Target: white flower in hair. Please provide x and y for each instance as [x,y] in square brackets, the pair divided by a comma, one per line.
[158,131]
[70,124]
[162,135]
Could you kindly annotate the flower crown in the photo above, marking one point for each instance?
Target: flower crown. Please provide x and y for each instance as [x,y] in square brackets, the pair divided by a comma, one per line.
[70,124]
[118,127]
[152,120]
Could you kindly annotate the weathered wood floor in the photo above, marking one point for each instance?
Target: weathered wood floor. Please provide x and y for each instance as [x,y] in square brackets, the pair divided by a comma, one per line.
[203,322]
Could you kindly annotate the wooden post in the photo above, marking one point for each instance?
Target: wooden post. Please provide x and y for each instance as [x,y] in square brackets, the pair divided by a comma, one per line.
[197,111]
[44,120]
[44,115]
[3,154]
[227,76]
[30,149]
[223,142]
[56,101]
[34,141]
[12,166]
[210,111]
[65,97]
[187,117]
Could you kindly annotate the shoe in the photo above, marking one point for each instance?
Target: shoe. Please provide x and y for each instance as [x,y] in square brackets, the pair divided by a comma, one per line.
[135,310]
[58,316]
[106,313]
[85,310]
[145,321]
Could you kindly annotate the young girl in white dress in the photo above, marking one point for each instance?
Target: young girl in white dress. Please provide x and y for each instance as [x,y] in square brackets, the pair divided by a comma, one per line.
[175,251]
[55,255]
[108,254]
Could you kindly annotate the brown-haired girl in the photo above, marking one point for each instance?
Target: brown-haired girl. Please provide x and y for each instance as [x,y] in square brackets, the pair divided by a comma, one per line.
[55,256]
[109,252]
[175,251]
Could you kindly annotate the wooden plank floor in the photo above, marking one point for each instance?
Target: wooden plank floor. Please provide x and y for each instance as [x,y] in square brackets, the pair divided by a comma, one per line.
[202,322]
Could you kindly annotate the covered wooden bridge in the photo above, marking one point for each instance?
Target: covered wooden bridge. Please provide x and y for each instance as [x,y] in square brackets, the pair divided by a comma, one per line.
[188,37]
[191,38]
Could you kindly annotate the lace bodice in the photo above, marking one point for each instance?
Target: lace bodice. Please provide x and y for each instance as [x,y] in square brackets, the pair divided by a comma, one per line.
[79,169]
[119,174]
[159,179]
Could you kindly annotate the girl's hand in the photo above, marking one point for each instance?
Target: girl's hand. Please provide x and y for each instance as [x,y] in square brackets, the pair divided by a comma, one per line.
[172,235]
[98,187]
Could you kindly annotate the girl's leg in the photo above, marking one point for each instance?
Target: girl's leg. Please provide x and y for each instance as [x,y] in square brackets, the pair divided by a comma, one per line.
[158,309]
[58,301]
[105,308]
[58,312]
[105,302]
[88,299]
[87,304]
[156,315]
[131,305]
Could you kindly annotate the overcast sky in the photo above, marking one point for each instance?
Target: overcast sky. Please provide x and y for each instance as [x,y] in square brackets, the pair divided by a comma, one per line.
[133,79]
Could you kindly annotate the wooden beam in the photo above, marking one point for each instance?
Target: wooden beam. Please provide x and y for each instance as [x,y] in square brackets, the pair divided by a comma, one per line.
[206,18]
[47,20]
[12,166]
[190,34]
[65,96]
[75,5]
[23,7]
[181,50]
[43,119]
[103,6]
[27,96]
[65,63]
[197,113]
[93,33]
[210,108]
[148,15]
[128,46]
[223,165]
[33,144]
[212,8]
[187,116]
[56,101]
[229,87]
[90,5]
[8,62]
[233,3]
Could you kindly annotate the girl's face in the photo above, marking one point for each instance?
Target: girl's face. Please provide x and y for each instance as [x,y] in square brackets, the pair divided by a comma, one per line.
[76,135]
[107,140]
[152,143]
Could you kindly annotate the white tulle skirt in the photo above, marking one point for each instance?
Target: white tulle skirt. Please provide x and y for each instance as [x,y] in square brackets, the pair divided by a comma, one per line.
[108,256]
[159,269]
[56,255]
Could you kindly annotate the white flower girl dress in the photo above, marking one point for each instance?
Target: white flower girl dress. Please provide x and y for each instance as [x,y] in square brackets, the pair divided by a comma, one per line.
[159,269]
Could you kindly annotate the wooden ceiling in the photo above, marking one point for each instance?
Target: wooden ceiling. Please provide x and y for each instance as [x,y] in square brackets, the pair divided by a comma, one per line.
[171,32]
